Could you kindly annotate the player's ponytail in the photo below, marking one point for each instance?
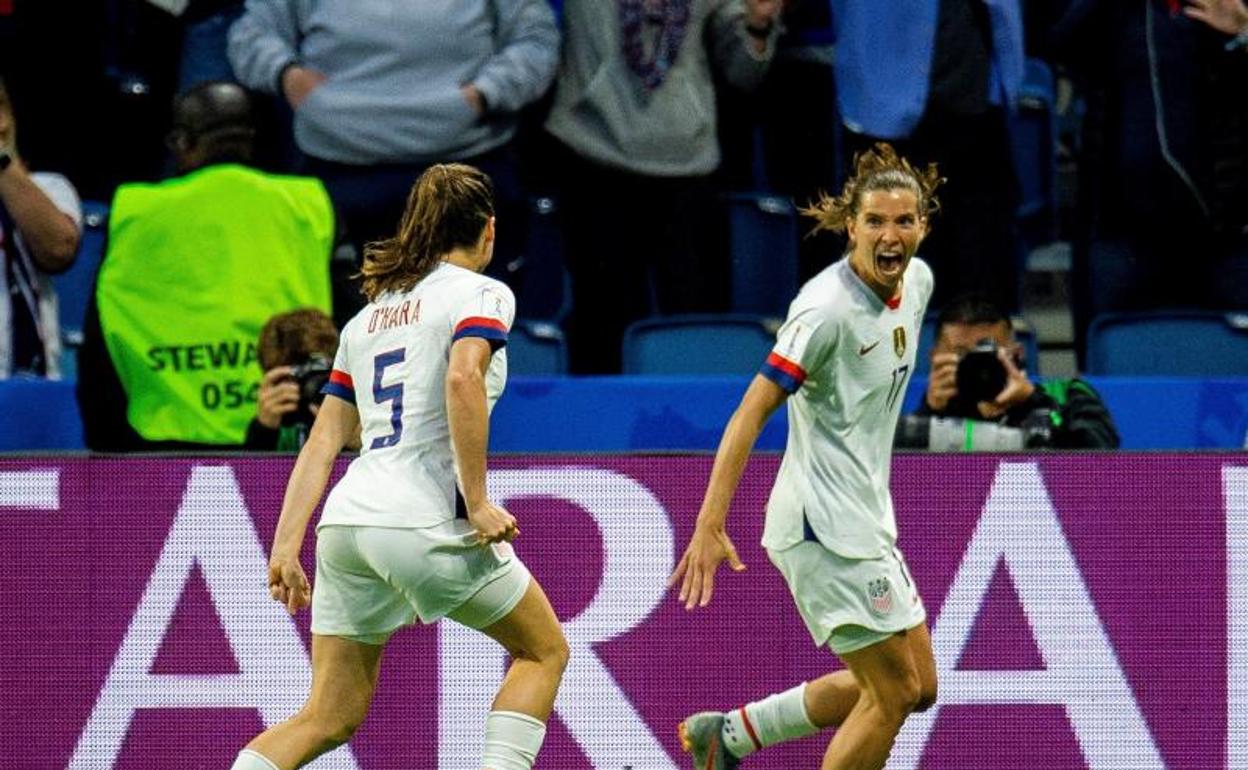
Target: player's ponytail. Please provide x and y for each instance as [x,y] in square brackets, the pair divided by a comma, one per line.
[447,209]
[879,168]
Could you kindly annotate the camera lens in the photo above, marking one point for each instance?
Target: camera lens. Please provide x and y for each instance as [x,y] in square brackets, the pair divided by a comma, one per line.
[310,376]
[981,375]
[310,387]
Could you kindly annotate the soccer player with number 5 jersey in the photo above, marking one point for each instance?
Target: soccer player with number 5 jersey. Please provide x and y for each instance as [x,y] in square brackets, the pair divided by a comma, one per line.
[409,535]
[841,361]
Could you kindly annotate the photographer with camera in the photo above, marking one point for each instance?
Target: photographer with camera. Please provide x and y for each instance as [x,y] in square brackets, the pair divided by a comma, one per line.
[296,351]
[980,397]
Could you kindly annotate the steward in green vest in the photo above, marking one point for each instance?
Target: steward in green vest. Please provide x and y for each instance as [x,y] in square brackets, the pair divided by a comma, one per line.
[195,267]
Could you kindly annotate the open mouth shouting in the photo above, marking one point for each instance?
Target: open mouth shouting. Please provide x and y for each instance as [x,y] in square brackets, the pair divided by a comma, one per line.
[890,264]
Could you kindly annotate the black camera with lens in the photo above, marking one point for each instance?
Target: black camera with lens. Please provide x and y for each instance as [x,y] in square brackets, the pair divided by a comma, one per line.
[981,376]
[310,376]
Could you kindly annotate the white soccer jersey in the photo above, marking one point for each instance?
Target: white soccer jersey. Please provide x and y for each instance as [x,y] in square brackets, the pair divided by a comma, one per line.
[391,364]
[846,356]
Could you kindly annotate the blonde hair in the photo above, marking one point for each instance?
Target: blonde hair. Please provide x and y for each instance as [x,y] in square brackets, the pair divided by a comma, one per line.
[447,209]
[879,168]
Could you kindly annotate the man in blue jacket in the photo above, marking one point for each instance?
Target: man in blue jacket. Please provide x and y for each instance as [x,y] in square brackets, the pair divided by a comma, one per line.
[942,93]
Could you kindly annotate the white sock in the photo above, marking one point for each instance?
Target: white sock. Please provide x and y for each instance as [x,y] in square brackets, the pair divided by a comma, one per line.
[250,760]
[774,719]
[512,740]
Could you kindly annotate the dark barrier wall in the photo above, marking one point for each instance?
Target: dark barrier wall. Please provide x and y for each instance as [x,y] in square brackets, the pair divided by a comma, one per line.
[1086,612]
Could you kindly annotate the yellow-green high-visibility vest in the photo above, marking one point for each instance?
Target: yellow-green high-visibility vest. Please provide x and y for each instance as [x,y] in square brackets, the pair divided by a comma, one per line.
[195,266]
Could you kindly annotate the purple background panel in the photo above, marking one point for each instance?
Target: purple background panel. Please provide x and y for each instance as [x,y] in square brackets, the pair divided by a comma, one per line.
[1147,535]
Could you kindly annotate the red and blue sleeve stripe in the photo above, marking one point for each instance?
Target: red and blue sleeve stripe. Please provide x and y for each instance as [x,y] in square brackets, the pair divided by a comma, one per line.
[490,329]
[783,372]
[340,385]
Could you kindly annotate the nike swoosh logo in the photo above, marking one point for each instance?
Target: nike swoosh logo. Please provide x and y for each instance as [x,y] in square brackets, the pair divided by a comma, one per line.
[865,349]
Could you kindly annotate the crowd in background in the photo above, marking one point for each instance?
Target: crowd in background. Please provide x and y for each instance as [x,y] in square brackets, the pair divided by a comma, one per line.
[633,119]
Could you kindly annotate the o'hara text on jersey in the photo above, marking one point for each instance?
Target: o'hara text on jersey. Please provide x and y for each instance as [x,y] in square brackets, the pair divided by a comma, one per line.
[206,355]
[393,316]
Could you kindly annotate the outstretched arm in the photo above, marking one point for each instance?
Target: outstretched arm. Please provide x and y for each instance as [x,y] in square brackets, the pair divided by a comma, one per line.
[336,422]
[710,543]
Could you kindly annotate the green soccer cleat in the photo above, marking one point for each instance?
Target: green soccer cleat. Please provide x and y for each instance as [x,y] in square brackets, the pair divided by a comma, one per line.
[699,736]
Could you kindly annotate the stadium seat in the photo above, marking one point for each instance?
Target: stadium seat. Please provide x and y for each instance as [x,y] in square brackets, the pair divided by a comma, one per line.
[1023,332]
[1033,134]
[763,233]
[536,347]
[698,344]
[74,286]
[1179,343]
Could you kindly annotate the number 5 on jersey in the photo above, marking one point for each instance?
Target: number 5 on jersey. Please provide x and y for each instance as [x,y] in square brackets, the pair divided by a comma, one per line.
[392,393]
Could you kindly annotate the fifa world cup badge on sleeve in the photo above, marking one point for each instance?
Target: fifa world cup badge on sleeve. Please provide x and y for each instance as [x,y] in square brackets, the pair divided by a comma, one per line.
[795,342]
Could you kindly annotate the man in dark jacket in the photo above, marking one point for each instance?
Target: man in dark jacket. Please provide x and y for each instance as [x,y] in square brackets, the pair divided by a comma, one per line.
[1061,413]
[1163,158]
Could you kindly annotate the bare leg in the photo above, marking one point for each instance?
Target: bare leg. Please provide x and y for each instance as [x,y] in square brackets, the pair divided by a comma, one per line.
[344,676]
[890,687]
[920,639]
[830,698]
[539,652]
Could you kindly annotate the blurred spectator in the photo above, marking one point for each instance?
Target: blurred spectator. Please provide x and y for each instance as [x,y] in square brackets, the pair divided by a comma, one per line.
[194,267]
[1164,172]
[634,110]
[978,373]
[942,93]
[384,89]
[296,352]
[784,138]
[40,225]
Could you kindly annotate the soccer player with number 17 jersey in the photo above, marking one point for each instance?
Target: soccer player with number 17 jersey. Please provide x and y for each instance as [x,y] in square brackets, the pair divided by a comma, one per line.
[842,361]
[408,535]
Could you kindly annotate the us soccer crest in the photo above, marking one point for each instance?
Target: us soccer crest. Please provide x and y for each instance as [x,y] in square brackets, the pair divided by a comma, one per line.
[880,592]
[899,341]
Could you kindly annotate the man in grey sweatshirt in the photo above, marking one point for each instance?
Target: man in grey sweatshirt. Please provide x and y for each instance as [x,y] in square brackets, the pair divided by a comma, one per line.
[383,89]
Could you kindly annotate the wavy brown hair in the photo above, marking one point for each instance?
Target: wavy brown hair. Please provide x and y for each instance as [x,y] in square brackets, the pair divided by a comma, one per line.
[879,168]
[447,208]
[294,337]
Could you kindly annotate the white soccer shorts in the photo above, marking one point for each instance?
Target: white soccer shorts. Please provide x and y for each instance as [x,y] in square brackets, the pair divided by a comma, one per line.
[371,581]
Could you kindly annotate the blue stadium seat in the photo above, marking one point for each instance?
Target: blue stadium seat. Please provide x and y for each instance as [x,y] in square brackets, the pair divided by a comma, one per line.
[38,415]
[74,286]
[1023,332]
[763,232]
[1033,134]
[1179,343]
[536,347]
[698,344]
